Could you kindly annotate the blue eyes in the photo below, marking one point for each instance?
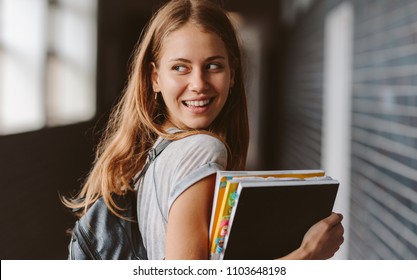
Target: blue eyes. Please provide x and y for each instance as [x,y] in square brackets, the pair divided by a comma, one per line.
[212,67]
[180,68]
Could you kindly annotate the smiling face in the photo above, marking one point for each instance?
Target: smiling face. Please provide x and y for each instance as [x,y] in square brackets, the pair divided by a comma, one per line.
[193,75]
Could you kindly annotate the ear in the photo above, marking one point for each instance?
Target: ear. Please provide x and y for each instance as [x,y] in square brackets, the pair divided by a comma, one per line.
[154,77]
[232,78]
[232,74]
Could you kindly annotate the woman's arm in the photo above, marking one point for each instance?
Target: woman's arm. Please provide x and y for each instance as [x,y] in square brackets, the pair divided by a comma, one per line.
[188,222]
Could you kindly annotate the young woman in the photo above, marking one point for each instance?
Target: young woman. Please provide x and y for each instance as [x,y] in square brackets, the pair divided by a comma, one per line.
[186,85]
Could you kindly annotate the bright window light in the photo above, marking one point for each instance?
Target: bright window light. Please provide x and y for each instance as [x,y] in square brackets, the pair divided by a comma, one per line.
[47,63]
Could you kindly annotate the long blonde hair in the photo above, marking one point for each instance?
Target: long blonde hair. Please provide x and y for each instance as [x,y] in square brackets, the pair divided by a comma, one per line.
[137,120]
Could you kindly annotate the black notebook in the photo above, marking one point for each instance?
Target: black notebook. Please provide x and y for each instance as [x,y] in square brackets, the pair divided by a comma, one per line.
[268,218]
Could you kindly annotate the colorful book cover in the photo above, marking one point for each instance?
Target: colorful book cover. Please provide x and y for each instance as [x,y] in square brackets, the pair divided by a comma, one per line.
[222,218]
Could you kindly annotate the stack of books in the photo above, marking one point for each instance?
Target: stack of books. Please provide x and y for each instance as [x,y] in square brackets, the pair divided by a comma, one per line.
[265,214]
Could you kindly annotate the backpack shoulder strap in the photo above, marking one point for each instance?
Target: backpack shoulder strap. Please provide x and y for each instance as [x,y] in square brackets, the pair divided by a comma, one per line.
[154,152]
[152,155]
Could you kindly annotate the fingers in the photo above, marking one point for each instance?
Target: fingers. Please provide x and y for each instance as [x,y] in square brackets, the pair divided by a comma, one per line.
[336,229]
[334,219]
[340,215]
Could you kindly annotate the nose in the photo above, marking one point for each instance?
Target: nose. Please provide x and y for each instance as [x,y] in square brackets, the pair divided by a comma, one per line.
[198,81]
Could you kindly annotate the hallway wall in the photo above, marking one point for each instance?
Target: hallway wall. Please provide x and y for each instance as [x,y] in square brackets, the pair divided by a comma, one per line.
[384,105]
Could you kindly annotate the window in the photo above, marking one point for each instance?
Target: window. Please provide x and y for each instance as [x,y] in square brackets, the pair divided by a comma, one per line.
[47,63]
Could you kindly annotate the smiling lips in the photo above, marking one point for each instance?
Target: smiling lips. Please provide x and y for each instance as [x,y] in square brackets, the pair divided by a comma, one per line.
[197,103]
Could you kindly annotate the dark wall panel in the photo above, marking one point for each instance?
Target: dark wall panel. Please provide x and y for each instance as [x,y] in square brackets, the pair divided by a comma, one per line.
[36,167]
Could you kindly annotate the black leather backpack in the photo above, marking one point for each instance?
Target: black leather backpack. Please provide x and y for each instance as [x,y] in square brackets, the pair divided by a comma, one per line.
[101,235]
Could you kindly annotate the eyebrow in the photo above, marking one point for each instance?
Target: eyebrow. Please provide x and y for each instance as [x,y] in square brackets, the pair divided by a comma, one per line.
[189,61]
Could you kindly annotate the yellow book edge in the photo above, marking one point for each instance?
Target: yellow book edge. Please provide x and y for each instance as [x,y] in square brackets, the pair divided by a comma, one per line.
[219,199]
[223,216]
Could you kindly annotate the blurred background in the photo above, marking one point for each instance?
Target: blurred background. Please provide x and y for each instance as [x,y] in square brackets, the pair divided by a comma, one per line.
[331,84]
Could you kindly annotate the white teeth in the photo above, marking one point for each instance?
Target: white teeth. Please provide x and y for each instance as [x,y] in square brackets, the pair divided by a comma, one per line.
[199,103]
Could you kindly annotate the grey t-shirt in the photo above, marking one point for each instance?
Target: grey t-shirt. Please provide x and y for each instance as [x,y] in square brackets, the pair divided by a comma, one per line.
[183,163]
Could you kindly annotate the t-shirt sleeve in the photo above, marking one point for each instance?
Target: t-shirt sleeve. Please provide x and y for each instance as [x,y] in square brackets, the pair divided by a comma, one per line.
[200,156]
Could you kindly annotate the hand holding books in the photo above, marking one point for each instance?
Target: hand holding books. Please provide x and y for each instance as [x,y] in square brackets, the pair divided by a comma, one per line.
[321,241]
